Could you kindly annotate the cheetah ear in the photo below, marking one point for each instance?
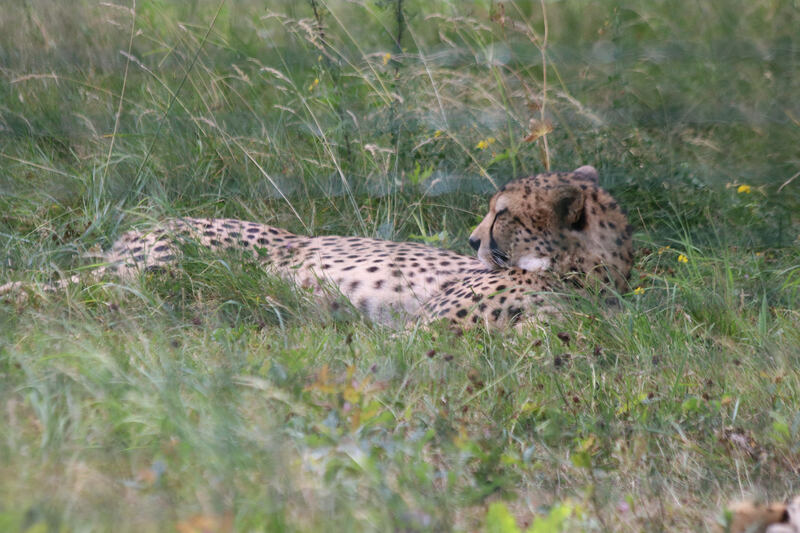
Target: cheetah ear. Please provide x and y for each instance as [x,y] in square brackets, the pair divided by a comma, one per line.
[568,207]
[587,172]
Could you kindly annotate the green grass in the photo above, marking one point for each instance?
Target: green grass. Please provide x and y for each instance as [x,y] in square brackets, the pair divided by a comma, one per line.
[216,396]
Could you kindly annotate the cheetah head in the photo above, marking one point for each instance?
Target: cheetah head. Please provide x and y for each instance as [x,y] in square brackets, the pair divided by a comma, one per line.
[559,222]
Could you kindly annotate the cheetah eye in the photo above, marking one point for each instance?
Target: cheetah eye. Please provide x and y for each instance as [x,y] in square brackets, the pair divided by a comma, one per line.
[501,212]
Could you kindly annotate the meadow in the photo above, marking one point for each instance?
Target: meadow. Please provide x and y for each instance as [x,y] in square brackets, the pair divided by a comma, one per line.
[218,398]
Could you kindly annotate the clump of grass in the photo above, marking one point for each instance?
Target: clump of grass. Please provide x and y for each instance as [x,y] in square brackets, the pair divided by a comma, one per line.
[217,396]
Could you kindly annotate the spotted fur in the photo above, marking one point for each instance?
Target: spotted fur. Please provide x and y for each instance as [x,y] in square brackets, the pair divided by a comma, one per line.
[543,235]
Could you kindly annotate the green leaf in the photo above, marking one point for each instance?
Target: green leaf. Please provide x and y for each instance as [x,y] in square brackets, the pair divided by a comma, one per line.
[781,430]
[763,317]
[502,156]
[499,519]
[691,405]
[581,459]
[553,522]
[418,175]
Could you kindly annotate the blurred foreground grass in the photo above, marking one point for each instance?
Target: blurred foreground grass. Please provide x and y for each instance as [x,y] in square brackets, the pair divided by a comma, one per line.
[218,398]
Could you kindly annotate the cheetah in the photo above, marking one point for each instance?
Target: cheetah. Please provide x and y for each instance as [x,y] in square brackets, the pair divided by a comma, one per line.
[544,235]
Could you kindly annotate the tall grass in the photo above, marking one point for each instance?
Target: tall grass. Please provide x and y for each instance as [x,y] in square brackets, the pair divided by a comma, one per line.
[215,397]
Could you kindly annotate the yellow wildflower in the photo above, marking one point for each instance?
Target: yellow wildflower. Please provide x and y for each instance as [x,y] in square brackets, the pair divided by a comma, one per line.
[437,133]
[743,189]
[638,291]
[683,259]
[485,143]
[313,84]
[386,58]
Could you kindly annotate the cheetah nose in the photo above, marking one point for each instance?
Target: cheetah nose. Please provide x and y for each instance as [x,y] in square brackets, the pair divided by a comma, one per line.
[475,243]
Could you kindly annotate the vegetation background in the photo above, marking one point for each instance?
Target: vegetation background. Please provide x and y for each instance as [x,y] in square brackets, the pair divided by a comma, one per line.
[217,398]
